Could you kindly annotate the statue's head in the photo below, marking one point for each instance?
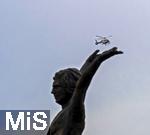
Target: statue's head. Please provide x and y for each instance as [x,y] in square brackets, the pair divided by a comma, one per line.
[64,84]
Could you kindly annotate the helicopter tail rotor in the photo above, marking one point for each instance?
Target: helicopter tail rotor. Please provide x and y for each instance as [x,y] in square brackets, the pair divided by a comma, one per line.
[96,43]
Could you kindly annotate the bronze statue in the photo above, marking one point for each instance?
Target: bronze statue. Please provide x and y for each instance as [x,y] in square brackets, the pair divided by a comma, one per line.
[69,89]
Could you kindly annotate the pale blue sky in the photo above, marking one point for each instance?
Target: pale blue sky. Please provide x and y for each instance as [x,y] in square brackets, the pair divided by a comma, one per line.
[39,37]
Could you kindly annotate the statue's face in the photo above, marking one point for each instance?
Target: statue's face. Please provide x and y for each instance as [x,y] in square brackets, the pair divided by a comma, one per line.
[59,92]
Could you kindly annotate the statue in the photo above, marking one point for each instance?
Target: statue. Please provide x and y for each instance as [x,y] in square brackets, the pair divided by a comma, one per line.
[69,89]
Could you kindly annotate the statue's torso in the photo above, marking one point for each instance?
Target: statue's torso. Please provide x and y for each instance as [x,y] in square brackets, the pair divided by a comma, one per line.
[68,123]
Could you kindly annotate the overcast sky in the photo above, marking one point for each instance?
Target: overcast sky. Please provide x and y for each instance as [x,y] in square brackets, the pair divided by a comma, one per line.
[40,37]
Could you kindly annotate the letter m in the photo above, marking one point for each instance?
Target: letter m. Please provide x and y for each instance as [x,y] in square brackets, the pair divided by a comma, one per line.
[13,124]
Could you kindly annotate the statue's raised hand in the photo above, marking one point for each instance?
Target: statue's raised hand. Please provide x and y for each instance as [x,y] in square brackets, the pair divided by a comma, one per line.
[95,57]
[89,60]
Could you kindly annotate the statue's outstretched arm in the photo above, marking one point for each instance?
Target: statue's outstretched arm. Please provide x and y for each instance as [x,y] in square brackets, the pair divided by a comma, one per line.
[89,69]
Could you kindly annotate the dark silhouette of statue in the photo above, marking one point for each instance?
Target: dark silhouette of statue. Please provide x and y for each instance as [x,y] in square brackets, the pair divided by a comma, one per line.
[69,89]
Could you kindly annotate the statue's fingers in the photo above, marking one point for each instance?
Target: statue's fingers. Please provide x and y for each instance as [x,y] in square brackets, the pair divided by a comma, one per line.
[116,51]
[95,52]
[119,52]
[93,55]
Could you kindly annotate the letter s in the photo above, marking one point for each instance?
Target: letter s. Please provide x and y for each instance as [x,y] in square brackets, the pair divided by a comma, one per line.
[40,121]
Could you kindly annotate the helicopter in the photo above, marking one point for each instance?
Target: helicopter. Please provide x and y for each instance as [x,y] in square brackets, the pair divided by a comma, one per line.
[102,40]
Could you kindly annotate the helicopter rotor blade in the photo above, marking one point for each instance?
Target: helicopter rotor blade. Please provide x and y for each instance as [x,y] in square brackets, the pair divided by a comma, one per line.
[99,36]
[109,36]
[104,36]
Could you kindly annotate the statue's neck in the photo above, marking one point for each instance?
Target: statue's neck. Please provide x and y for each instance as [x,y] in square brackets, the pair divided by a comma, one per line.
[64,105]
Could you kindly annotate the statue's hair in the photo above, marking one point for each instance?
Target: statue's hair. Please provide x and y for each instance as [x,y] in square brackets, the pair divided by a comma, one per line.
[68,78]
